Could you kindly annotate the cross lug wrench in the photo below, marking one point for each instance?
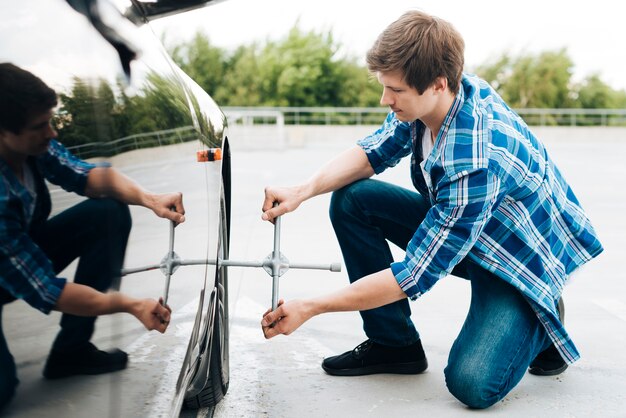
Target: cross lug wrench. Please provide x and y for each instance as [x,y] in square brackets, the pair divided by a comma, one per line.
[275,264]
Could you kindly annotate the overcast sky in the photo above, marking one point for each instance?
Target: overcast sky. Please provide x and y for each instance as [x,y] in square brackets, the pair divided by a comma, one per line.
[594,32]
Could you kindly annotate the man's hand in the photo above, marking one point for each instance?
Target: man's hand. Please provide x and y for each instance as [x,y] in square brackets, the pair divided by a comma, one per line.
[288,199]
[162,205]
[286,318]
[153,314]
[81,300]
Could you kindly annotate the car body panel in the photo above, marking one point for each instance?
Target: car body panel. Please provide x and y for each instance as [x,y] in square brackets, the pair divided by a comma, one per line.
[123,100]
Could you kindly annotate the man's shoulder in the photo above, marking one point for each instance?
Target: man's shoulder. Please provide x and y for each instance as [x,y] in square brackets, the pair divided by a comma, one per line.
[474,86]
[58,158]
[55,151]
[480,98]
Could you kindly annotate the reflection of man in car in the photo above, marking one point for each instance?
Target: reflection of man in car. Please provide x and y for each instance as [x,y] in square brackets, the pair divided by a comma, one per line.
[34,249]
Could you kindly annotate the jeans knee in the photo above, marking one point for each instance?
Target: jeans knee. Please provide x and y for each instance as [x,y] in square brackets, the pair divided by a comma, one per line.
[342,202]
[471,387]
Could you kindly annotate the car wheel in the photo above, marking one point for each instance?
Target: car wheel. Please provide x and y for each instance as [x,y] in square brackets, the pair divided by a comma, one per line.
[218,373]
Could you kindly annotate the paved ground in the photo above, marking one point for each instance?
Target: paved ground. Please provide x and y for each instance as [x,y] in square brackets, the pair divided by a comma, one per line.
[282,377]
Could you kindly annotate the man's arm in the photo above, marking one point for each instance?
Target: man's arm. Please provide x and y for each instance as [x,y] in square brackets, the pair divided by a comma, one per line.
[370,292]
[109,182]
[82,300]
[347,167]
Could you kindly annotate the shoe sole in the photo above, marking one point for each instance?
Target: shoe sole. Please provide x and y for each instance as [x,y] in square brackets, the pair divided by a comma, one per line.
[538,371]
[415,367]
[84,371]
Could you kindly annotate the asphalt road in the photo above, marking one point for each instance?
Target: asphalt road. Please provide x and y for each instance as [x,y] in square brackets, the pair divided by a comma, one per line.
[282,377]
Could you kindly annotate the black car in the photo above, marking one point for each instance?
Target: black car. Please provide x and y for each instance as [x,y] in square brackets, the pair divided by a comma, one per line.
[123,99]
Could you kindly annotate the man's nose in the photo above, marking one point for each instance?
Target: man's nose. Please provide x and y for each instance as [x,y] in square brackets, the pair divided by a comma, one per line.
[385,99]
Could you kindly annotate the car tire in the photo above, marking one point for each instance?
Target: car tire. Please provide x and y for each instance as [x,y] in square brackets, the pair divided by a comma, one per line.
[218,374]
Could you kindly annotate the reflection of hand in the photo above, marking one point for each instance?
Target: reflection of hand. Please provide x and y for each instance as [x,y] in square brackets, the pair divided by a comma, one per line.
[288,199]
[285,319]
[154,315]
[164,203]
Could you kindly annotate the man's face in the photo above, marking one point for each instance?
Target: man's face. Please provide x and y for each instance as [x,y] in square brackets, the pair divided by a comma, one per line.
[32,140]
[403,99]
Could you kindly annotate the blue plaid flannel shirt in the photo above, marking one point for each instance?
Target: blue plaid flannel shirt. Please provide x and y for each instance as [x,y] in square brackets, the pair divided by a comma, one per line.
[497,198]
[25,270]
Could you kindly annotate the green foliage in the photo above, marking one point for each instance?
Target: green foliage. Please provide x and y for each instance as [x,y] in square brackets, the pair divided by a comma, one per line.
[545,81]
[201,61]
[305,69]
[302,69]
[593,93]
[93,113]
[532,80]
[86,113]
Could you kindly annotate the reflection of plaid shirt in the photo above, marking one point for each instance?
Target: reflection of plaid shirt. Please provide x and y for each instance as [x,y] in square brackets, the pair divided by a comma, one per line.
[497,198]
[25,271]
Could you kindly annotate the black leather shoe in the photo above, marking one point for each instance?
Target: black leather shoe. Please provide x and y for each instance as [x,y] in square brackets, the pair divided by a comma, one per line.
[87,360]
[370,358]
[549,362]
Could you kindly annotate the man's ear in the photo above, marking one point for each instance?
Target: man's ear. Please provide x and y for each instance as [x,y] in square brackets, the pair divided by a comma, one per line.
[440,85]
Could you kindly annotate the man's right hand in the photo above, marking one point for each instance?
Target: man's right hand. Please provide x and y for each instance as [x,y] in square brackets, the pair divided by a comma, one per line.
[288,199]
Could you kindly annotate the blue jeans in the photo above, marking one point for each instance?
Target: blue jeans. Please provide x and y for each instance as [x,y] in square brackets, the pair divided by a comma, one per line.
[501,334]
[96,232]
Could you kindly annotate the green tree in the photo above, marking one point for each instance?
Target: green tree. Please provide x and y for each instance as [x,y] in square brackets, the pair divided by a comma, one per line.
[542,80]
[305,69]
[94,113]
[301,69]
[242,82]
[202,61]
[593,93]
[86,113]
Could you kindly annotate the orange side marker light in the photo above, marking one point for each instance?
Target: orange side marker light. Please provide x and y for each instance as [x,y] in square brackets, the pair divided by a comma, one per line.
[211,154]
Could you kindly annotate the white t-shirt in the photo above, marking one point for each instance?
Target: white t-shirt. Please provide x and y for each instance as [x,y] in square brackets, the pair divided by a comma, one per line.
[427,148]
[29,181]
[31,187]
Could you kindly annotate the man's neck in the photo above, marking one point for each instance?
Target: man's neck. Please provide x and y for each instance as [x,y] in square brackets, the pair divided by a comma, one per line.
[435,119]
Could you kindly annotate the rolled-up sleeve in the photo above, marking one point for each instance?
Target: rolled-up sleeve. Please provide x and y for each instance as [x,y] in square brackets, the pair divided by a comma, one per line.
[26,272]
[63,168]
[388,145]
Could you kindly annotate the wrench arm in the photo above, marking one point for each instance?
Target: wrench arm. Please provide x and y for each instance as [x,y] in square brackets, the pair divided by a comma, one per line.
[275,264]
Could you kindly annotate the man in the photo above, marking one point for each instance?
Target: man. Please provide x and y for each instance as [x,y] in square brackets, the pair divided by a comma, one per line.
[491,207]
[33,248]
